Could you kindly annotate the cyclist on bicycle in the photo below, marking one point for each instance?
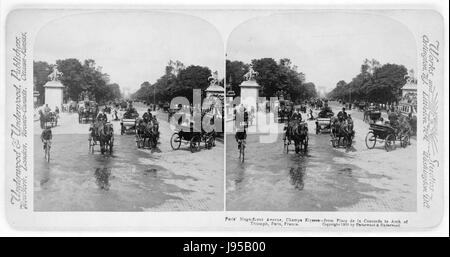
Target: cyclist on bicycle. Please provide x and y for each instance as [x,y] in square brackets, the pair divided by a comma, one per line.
[46,136]
[241,126]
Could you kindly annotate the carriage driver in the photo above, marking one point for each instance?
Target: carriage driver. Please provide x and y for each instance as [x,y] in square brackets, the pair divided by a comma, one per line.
[47,109]
[342,115]
[296,116]
[102,116]
[147,117]
[46,135]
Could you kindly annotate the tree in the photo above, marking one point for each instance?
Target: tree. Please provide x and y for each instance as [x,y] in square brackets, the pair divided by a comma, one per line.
[193,77]
[268,76]
[375,82]
[41,70]
[177,80]
[235,71]
[77,77]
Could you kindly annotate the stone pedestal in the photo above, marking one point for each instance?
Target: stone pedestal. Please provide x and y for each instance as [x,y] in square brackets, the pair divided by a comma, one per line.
[249,94]
[54,94]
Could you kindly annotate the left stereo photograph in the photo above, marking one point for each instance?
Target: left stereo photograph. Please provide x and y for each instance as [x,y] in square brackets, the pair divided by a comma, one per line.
[127,112]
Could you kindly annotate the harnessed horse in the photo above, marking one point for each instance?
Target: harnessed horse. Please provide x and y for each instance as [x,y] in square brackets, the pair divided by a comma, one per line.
[104,134]
[343,129]
[298,132]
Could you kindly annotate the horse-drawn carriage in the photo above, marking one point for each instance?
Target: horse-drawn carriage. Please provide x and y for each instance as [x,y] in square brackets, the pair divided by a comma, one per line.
[147,134]
[188,135]
[323,121]
[48,119]
[296,131]
[128,125]
[285,109]
[372,115]
[342,132]
[387,134]
[101,133]
[87,111]
[360,105]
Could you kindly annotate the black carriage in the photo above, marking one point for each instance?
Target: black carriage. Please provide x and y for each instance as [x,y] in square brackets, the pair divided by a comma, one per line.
[186,135]
[128,125]
[87,111]
[385,134]
[50,119]
[372,115]
[323,121]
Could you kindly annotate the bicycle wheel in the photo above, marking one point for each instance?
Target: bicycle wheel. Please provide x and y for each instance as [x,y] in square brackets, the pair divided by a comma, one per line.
[195,144]
[389,143]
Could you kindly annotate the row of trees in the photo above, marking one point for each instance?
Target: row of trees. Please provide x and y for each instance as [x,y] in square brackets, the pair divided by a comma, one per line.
[77,77]
[177,80]
[273,77]
[375,83]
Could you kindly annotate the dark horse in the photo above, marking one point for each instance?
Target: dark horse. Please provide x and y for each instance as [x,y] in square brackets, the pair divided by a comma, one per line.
[147,134]
[297,132]
[342,130]
[104,134]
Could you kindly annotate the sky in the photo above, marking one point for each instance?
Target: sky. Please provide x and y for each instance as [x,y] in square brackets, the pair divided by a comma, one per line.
[327,47]
[132,47]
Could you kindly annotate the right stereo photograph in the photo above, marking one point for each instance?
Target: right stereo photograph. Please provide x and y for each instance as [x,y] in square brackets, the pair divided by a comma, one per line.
[321,114]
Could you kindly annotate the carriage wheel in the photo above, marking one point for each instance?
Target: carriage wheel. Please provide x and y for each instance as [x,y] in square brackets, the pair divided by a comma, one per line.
[334,142]
[346,142]
[149,142]
[404,142]
[371,140]
[389,143]
[138,141]
[175,141]
[194,145]
[111,144]
[90,144]
[206,141]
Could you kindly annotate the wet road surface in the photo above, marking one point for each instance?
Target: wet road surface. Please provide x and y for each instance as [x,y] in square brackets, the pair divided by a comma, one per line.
[130,179]
[322,179]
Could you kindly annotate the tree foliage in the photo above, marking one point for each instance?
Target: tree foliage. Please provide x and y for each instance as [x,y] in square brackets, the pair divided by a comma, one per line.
[178,80]
[41,70]
[375,83]
[235,71]
[78,77]
[273,77]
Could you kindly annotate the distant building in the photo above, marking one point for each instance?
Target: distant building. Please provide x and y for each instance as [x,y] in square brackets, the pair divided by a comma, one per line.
[408,102]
